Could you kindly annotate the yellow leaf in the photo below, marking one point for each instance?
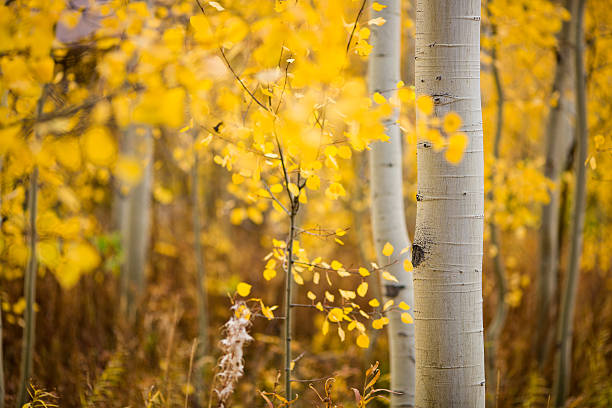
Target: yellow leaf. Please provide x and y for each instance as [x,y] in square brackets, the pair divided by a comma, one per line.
[364,33]
[163,195]
[128,170]
[345,152]
[303,199]
[456,145]
[387,249]
[408,265]
[293,189]
[313,182]
[188,389]
[325,327]
[334,191]
[378,98]
[298,278]
[362,289]
[380,323]
[47,253]
[452,122]
[403,305]
[374,302]
[347,294]
[341,333]
[388,304]
[378,21]
[203,30]
[425,104]
[243,289]
[407,318]
[406,94]
[99,147]
[387,276]
[363,341]
[335,315]
[281,5]
[311,295]
[377,6]
[276,188]
[435,137]
[364,272]
[335,265]
[84,256]
[165,248]
[269,274]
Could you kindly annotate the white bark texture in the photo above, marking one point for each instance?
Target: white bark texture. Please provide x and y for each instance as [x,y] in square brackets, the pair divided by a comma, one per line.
[134,219]
[448,244]
[387,211]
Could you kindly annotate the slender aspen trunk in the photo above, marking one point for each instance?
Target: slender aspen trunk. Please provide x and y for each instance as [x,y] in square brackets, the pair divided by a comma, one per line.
[200,274]
[2,392]
[29,335]
[448,243]
[563,360]
[499,318]
[29,287]
[294,206]
[1,361]
[134,219]
[387,211]
[558,142]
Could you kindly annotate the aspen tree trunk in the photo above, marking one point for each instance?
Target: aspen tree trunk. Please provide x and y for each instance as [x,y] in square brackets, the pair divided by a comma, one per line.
[448,243]
[201,291]
[29,286]
[388,219]
[29,332]
[1,362]
[134,219]
[558,143]
[499,318]
[563,360]
[2,392]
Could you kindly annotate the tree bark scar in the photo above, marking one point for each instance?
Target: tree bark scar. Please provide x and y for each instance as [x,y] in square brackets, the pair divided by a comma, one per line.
[392,291]
[417,255]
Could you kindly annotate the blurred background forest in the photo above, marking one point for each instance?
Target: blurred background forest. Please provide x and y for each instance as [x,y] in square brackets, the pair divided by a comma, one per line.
[136,127]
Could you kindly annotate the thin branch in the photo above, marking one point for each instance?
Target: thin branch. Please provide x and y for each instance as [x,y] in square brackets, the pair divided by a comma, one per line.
[274,198]
[348,45]
[70,110]
[232,69]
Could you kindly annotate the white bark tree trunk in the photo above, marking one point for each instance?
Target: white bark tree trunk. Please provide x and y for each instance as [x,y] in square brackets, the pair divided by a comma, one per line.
[387,212]
[29,284]
[134,219]
[201,292]
[559,135]
[448,244]
[565,328]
